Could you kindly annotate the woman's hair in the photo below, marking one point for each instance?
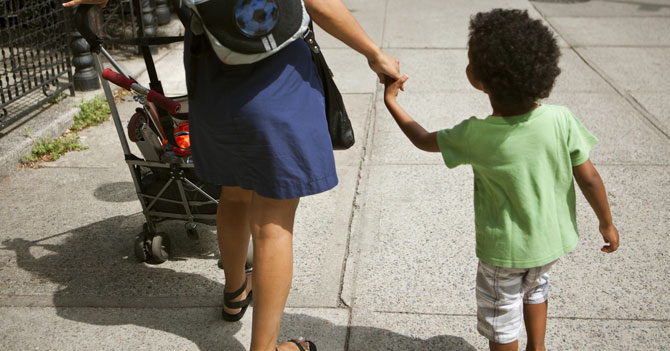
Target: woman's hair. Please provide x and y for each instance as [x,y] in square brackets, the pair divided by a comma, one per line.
[514,56]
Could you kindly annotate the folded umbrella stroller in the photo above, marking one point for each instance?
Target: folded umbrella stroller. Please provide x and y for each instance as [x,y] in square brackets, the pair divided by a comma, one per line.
[164,176]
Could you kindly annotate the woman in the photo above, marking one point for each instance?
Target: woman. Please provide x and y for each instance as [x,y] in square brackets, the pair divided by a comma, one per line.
[259,130]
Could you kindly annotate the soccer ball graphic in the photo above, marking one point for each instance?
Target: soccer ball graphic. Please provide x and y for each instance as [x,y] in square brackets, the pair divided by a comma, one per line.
[256,18]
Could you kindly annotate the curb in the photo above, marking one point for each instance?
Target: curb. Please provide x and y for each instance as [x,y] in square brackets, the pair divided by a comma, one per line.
[51,121]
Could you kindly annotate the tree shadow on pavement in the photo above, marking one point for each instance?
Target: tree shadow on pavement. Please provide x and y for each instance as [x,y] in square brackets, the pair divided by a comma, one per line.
[93,266]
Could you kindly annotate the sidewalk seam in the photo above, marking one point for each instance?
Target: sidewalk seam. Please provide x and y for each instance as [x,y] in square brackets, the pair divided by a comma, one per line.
[646,115]
[365,151]
[352,216]
[549,317]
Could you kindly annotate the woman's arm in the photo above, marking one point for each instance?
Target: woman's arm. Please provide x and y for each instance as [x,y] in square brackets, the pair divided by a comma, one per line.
[102,3]
[334,17]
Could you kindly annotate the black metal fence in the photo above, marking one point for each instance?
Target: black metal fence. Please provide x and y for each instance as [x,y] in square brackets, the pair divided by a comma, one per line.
[34,56]
[35,44]
[127,19]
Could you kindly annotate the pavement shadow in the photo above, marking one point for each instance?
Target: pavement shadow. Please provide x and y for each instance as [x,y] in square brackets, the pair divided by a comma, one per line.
[93,267]
[116,192]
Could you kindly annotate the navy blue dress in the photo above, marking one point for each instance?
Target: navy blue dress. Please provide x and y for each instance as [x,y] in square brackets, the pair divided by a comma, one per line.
[260,126]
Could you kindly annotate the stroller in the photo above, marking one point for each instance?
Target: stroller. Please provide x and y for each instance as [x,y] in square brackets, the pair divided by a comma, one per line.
[164,177]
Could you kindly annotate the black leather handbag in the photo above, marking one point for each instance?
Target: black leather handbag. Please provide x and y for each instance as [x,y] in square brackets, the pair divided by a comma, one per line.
[339,125]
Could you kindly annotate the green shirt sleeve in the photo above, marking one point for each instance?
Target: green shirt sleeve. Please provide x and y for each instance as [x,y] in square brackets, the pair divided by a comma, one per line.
[580,141]
[454,145]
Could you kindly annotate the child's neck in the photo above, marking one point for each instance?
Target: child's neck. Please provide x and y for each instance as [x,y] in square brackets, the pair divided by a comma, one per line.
[507,111]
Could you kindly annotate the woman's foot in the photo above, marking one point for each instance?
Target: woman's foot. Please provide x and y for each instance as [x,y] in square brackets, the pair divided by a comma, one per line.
[237,299]
[292,345]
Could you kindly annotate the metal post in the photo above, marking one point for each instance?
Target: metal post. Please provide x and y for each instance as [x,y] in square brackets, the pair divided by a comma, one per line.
[85,77]
[162,12]
[148,18]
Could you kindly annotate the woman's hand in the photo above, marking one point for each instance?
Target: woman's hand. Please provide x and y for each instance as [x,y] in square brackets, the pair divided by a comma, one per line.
[102,3]
[334,17]
[385,65]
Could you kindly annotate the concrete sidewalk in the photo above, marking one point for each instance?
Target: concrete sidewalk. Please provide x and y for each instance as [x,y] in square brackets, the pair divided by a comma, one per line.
[386,260]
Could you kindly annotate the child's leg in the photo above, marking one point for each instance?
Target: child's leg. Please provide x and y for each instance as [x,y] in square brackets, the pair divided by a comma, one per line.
[535,319]
[536,287]
[513,346]
[499,305]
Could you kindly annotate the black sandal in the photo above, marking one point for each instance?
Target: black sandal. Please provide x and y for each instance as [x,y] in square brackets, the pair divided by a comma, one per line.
[227,297]
[310,345]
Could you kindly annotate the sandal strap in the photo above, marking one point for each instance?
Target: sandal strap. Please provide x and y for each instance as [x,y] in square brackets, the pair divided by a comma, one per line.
[232,295]
[239,304]
[297,344]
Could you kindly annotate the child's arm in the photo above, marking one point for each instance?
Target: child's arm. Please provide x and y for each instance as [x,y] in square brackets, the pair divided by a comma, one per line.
[592,187]
[420,137]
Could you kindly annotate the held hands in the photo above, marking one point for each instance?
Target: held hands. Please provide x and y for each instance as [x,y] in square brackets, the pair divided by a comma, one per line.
[392,86]
[385,65]
[611,236]
[102,3]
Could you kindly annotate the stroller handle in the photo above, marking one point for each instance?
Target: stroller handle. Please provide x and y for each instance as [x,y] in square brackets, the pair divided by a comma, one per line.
[157,98]
[164,102]
[118,79]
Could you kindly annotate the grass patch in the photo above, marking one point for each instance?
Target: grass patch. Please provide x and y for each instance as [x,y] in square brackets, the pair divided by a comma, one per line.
[92,113]
[56,99]
[47,149]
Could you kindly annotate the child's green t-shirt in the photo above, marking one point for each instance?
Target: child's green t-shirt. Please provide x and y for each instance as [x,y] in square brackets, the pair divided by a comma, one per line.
[524,192]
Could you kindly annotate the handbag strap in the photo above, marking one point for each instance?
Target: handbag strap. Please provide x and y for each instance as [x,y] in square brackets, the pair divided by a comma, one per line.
[308,36]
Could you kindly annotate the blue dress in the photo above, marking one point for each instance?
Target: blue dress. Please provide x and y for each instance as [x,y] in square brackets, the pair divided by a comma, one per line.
[260,126]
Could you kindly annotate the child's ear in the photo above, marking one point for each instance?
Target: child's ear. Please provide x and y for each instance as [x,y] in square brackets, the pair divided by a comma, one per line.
[477,84]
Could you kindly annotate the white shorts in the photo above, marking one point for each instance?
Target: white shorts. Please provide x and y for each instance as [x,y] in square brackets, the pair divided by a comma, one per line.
[501,294]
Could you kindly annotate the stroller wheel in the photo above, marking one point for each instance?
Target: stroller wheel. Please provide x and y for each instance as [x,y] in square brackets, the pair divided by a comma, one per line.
[140,248]
[250,255]
[192,231]
[135,125]
[160,248]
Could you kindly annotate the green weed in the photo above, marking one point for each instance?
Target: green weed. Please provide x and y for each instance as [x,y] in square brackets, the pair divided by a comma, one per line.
[92,113]
[47,149]
[56,99]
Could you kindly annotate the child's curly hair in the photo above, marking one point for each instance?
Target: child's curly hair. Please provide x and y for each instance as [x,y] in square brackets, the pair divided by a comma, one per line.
[514,56]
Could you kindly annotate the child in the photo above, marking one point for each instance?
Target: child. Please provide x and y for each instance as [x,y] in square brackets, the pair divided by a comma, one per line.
[524,156]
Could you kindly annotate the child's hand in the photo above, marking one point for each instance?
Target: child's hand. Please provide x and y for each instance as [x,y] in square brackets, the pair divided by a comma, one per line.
[391,87]
[611,237]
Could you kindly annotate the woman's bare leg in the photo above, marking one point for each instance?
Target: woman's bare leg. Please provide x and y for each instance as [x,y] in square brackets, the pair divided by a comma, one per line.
[232,224]
[272,229]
